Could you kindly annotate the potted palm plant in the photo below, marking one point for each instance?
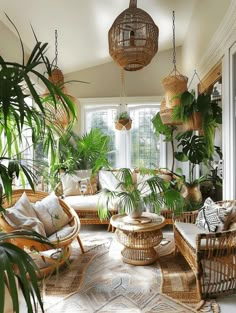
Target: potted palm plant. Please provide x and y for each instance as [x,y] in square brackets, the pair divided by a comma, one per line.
[132,196]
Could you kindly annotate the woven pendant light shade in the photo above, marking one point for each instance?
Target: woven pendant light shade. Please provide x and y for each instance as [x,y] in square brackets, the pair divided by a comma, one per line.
[133,38]
[56,113]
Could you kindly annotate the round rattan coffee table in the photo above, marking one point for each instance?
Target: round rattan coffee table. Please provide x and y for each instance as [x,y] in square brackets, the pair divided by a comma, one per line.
[139,237]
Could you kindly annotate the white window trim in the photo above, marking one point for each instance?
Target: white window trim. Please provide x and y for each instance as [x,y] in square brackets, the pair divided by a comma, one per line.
[115,102]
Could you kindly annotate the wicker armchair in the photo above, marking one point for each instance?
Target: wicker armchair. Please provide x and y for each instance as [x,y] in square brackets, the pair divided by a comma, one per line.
[212,257]
[62,243]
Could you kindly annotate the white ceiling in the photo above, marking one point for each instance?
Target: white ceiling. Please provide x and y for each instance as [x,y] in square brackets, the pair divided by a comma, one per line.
[83,25]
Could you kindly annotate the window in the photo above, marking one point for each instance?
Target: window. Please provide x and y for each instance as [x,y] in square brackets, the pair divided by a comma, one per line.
[139,147]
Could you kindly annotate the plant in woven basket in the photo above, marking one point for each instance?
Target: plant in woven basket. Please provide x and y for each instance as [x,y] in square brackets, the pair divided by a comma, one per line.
[199,113]
[133,195]
[193,149]
[123,121]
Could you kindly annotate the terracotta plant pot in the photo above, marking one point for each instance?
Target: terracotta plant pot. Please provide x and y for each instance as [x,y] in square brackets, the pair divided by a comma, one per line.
[123,124]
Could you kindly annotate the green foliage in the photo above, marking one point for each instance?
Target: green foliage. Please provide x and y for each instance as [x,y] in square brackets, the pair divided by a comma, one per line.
[122,115]
[151,191]
[16,114]
[17,266]
[160,128]
[75,152]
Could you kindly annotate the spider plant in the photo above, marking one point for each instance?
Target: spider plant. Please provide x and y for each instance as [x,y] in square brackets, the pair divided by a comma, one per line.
[150,191]
[17,267]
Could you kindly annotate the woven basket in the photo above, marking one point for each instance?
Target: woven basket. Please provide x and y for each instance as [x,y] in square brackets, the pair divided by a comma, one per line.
[166,115]
[174,85]
[194,122]
[123,124]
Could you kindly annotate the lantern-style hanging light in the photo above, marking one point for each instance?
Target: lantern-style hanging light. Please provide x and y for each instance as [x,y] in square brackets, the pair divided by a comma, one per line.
[133,38]
[57,114]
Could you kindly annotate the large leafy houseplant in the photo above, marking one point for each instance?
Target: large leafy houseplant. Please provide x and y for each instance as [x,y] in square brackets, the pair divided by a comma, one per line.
[151,192]
[210,112]
[74,152]
[16,85]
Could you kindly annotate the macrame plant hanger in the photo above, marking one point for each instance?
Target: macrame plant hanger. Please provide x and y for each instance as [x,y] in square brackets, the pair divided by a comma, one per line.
[58,114]
[123,123]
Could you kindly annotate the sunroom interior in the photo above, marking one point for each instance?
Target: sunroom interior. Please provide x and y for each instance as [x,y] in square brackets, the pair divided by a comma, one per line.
[196,38]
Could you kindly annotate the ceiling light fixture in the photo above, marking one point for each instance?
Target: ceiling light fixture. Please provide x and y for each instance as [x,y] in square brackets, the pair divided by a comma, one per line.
[57,113]
[133,38]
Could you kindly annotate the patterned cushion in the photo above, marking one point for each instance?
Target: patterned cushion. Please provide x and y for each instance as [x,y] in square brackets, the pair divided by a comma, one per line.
[211,216]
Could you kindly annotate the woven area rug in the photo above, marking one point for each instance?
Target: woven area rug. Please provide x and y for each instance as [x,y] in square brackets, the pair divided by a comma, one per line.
[178,282]
[98,281]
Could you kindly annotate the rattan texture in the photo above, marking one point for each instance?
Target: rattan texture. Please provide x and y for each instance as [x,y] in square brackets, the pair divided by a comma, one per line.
[63,243]
[213,261]
[174,85]
[133,39]
[166,114]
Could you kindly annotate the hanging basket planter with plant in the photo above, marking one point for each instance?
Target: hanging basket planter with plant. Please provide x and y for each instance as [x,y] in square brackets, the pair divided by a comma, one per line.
[166,115]
[123,121]
[174,85]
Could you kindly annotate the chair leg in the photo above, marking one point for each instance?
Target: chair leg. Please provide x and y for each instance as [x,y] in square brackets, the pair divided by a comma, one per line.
[80,244]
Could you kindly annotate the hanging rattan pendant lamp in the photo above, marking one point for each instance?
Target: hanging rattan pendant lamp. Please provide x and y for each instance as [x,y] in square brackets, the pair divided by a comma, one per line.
[133,38]
[57,114]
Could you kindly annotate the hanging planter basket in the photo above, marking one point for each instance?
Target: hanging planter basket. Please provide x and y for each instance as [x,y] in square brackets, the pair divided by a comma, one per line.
[123,124]
[174,85]
[166,114]
[194,123]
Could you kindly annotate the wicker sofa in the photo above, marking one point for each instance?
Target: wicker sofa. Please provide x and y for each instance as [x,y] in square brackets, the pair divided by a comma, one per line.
[85,203]
[211,255]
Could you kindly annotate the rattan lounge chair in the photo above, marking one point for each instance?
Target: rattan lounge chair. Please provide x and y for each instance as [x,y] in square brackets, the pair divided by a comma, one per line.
[212,257]
[63,243]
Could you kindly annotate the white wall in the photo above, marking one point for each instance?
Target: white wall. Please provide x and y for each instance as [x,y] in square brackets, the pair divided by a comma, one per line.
[105,79]
[207,17]
[10,48]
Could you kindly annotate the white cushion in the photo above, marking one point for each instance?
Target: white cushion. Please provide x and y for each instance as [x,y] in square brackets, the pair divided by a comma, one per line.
[62,233]
[189,232]
[23,206]
[23,216]
[88,202]
[79,183]
[51,214]
[108,180]
[19,221]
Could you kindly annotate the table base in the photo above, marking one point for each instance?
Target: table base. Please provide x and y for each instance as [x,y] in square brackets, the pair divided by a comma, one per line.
[140,256]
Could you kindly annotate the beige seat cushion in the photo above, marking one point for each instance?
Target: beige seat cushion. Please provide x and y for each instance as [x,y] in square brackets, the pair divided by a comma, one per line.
[88,202]
[189,232]
[63,233]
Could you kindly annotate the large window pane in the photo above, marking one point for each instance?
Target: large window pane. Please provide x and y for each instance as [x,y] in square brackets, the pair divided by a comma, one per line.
[104,120]
[138,147]
[144,144]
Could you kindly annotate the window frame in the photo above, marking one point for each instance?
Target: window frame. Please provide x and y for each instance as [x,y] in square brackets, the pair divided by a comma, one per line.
[87,104]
